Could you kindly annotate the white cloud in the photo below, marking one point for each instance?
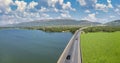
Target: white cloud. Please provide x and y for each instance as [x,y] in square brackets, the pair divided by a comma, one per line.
[22,17]
[21,5]
[7,19]
[56,10]
[5,2]
[8,10]
[112,16]
[43,9]
[95,1]
[65,6]
[45,15]
[0,11]
[23,14]
[32,5]
[87,11]
[109,4]
[82,2]
[117,10]
[31,15]
[118,6]
[91,17]
[52,2]
[61,2]
[65,15]
[96,13]
[103,7]
[5,5]
[68,6]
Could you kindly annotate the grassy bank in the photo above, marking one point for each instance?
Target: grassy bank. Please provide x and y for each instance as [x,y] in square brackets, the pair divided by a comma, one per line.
[101,47]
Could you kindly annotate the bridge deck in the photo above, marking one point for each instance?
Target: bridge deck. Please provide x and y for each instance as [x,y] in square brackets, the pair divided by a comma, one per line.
[71,53]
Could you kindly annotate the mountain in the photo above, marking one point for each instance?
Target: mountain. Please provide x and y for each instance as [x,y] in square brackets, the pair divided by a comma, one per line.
[113,23]
[54,22]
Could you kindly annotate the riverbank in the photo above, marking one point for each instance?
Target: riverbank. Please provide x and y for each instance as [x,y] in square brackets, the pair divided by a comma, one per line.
[71,29]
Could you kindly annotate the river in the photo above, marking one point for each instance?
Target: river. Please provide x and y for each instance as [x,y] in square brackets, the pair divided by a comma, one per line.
[31,46]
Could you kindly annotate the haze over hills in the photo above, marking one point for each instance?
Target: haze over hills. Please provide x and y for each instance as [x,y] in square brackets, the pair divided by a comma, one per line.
[54,22]
[113,23]
[62,22]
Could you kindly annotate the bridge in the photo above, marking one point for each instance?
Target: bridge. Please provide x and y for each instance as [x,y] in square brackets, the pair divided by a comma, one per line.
[72,52]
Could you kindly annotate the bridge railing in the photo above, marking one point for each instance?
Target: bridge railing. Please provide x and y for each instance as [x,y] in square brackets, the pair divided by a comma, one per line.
[66,50]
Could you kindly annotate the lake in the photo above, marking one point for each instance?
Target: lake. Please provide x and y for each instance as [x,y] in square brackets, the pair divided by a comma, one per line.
[31,46]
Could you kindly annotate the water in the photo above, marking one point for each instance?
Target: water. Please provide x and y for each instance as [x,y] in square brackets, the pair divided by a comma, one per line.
[31,46]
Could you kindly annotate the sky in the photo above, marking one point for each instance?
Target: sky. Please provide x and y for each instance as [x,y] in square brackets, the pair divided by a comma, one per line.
[17,11]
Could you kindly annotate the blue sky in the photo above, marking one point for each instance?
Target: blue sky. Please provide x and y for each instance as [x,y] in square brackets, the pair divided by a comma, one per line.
[17,11]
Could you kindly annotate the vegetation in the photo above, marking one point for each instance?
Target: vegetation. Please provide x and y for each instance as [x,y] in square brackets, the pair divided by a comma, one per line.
[113,23]
[102,29]
[71,28]
[5,27]
[101,47]
[55,28]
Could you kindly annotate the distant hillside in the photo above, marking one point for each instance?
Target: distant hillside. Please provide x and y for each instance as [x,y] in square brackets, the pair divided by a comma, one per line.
[113,23]
[54,22]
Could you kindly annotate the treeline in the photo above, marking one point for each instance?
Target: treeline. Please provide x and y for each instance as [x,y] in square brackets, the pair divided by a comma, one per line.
[102,29]
[5,27]
[71,28]
[56,28]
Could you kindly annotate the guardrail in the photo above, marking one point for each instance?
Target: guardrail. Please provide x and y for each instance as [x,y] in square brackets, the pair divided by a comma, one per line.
[65,55]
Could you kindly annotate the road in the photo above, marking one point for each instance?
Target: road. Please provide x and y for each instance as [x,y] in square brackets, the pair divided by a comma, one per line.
[72,53]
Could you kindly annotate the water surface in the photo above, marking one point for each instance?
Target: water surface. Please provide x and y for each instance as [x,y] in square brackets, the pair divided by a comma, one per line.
[31,46]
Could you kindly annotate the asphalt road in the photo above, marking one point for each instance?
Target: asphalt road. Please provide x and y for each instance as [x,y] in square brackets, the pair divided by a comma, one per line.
[72,53]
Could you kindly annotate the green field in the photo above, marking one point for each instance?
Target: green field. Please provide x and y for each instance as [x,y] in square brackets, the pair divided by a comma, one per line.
[101,47]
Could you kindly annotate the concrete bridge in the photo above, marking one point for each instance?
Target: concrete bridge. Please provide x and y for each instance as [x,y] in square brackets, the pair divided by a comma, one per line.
[72,52]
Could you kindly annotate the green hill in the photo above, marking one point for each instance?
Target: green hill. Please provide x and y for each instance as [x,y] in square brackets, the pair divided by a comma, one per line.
[57,22]
[113,23]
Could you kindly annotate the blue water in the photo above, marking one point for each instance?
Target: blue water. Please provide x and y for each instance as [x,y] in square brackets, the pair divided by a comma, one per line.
[31,46]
